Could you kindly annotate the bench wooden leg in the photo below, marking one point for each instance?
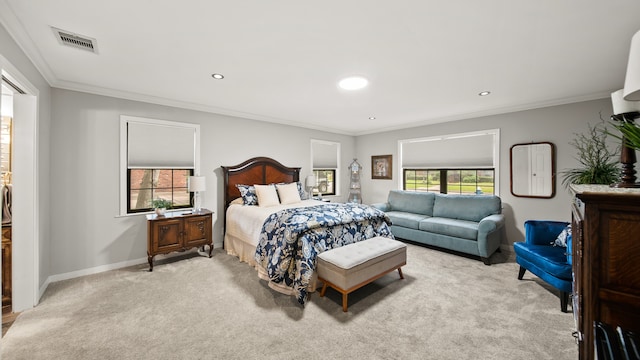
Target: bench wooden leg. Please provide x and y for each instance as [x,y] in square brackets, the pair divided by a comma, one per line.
[344,301]
[400,272]
[324,288]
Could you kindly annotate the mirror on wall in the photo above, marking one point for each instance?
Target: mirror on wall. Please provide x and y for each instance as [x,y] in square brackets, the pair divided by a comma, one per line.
[533,170]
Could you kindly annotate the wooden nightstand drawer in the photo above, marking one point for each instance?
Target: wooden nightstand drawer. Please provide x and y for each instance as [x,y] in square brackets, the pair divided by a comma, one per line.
[178,232]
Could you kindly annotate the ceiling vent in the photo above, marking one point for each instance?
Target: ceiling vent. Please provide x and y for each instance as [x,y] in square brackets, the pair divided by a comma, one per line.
[77,41]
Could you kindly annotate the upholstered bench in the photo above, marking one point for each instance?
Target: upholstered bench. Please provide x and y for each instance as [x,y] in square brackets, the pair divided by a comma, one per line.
[353,266]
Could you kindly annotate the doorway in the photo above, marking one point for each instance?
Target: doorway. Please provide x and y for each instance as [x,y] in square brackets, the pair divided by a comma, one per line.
[25,204]
[6,185]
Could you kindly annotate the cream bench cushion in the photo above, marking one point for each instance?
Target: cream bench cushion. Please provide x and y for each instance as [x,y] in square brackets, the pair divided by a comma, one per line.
[350,267]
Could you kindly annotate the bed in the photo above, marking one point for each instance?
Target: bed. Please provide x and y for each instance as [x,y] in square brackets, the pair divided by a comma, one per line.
[282,240]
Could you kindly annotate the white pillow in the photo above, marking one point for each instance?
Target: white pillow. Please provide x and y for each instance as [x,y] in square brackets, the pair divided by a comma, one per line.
[267,195]
[288,193]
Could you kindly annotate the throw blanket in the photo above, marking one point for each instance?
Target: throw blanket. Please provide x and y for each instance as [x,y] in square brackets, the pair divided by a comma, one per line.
[291,239]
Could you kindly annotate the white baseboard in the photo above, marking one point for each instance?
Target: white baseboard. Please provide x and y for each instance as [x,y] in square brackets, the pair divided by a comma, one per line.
[103,268]
[91,271]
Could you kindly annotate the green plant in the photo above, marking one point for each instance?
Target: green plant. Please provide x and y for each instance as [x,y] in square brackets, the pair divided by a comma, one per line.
[629,130]
[599,164]
[161,203]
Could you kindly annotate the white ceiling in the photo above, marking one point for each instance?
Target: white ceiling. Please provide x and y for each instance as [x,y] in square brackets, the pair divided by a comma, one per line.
[426,60]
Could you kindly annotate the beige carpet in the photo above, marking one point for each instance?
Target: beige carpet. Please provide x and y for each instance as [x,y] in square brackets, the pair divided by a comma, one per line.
[448,307]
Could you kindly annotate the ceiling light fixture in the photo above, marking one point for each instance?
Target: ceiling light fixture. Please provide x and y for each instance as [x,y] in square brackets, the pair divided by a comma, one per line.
[217,76]
[372,117]
[484,93]
[353,83]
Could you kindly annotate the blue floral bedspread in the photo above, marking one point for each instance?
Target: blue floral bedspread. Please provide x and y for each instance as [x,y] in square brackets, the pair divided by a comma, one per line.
[291,239]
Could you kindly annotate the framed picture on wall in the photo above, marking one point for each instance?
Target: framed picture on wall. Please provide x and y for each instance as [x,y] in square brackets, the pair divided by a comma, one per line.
[381,167]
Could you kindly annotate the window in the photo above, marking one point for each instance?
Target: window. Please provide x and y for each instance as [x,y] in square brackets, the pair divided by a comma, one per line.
[325,157]
[464,163]
[157,157]
[458,181]
[325,184]
[146,185]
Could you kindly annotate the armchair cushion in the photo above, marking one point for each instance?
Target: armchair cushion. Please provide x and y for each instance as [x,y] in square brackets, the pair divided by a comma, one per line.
[564,237]
[550,259]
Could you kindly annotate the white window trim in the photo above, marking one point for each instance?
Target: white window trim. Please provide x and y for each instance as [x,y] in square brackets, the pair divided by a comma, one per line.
[496,152]
[126,119]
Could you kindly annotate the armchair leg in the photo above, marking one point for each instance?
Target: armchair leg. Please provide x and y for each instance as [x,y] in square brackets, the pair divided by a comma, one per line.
[485,260]
[564,300]
[521,273]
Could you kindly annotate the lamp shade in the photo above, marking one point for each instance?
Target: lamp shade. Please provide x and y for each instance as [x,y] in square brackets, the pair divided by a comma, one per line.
[632,80]
[196,183]
[310,181]
[622,106]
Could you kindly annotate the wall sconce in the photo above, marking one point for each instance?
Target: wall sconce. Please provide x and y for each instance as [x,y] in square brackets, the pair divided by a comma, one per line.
[196,185]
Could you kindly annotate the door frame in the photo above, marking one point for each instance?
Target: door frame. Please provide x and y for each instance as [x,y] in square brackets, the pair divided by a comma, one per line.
[25,253]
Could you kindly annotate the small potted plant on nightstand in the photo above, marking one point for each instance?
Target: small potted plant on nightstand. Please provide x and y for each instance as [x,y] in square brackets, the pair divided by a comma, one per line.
[161,205]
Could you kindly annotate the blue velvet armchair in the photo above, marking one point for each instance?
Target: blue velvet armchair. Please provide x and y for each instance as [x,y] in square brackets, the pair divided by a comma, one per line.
[540,256]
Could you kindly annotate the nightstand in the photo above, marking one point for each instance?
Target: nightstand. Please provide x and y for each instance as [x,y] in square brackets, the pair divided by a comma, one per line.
[178,231]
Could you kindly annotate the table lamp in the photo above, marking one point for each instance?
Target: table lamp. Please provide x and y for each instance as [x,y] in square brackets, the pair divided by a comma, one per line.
[196,185]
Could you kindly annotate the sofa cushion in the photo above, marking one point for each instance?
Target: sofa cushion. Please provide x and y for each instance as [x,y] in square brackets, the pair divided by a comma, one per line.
[405,219]
[411,202]
[466,207]
[450,227]
[550,259]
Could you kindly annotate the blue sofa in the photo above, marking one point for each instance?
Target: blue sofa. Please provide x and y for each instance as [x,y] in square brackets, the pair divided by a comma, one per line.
[471,224]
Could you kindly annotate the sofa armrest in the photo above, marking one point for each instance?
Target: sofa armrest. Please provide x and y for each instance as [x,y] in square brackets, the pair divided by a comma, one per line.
[490,234]
[542,232]
[381,206]
[490,223]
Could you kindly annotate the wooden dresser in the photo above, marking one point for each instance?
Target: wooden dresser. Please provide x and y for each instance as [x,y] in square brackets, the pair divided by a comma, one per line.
[6,268]
[606,261]
[176,231]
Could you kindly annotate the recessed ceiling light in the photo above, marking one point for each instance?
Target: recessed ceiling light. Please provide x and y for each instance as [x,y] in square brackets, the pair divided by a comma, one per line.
[484,93]
[353,83]
[217,76]
[372,117]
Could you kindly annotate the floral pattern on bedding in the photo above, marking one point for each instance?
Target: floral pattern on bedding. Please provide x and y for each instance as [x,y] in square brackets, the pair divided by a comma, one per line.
[291,239]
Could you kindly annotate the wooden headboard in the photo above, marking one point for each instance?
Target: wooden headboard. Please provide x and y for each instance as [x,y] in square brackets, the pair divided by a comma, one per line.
[258,170]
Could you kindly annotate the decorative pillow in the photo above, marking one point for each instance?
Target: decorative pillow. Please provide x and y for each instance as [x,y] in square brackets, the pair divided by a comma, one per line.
[237,201]
[267,195]
[303,194]
[248,194]
[564,236]
[288,193]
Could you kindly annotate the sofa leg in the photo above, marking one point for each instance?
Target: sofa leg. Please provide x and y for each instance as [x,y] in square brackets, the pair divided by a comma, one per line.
[485,260]
[564,300]
[521,273]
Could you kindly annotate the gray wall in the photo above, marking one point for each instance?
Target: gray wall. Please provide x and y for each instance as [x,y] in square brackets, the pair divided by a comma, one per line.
[86,229]
[556,124]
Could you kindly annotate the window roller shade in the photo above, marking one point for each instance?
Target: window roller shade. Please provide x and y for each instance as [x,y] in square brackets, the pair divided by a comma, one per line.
[325,156]
[469,151]
[153,146]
